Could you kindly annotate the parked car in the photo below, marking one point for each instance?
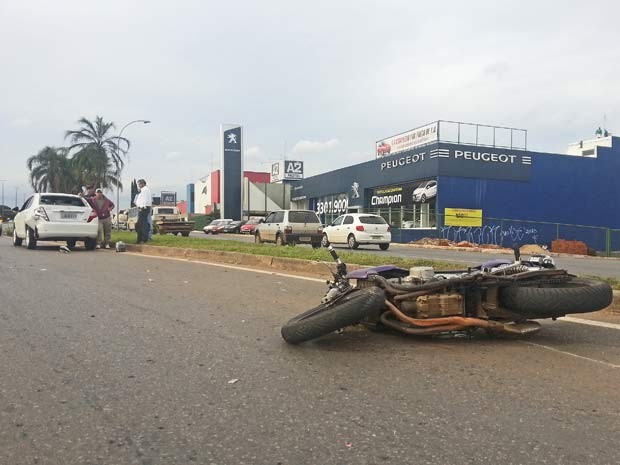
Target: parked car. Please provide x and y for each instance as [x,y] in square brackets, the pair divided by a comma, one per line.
[250,226]
[290,227]
[56,217]
[384,149]
[216,226]
[425,191]
[355,229]
[233,227]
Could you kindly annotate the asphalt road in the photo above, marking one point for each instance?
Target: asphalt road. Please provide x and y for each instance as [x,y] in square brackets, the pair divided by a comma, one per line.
[590,266]
[110,358]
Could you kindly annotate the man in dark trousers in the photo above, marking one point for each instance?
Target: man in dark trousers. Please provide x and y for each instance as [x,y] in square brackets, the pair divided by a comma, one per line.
[144,203]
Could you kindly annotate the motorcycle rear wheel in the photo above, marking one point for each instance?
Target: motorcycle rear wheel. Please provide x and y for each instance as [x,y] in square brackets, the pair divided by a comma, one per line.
[578,295]
[327,318]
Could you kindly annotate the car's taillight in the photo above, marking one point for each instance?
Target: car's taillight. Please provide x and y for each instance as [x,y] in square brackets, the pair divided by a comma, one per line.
[288,230]
[359,227]
[41,213]
[92,216]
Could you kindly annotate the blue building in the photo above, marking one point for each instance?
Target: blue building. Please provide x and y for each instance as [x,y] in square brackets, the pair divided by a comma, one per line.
[488,191]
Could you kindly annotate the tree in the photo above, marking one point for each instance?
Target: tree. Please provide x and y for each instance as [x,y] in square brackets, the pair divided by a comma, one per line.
[92,166]
[97,138]
[134,192]
[51,171]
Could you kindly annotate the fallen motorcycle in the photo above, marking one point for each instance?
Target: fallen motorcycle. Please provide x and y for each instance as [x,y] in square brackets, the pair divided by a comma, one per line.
[500,296]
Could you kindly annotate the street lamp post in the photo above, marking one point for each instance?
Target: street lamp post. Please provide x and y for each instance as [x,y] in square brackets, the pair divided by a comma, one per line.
[118,192]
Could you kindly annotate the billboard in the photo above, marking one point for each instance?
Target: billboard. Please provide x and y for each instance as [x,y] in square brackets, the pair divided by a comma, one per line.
[462,217]
[231,192]
[168,198]
[287,170]
[404,195]
[407,140]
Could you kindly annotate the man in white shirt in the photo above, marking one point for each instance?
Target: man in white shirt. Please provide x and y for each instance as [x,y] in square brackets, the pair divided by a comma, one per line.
[143,202]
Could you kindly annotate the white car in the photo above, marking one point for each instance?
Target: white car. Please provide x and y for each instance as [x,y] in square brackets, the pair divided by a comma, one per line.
[56,217]
[355,229]
[425,191]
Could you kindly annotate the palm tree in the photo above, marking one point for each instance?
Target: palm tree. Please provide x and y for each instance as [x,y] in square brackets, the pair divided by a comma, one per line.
[92,166]
[51,171]
[96,136]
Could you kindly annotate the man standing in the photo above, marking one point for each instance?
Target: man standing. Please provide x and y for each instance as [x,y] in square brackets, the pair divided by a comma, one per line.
[103,206]
[143,202]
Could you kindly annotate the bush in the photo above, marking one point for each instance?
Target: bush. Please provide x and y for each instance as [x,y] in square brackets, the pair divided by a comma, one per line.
[202,220]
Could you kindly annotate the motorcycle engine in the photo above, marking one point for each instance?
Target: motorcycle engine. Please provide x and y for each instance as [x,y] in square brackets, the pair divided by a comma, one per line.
[435,305]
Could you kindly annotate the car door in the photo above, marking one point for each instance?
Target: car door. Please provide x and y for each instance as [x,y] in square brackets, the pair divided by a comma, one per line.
[21,217]
[333,230]
[276,225]
[346,228]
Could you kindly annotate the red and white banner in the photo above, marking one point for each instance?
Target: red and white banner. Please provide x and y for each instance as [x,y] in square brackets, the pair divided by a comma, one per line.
[408,140]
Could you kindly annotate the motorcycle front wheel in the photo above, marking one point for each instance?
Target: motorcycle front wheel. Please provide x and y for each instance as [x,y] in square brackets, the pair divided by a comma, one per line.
[546,300]
[326,318]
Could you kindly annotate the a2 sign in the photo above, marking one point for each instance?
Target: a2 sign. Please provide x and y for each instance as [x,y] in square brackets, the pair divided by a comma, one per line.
[287,170]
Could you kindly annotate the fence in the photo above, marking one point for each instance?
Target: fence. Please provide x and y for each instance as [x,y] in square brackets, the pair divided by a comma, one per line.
[414,223]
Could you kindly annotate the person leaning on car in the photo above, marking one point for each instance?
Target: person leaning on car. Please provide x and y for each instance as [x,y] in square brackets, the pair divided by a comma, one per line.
[103,206]
[143,202]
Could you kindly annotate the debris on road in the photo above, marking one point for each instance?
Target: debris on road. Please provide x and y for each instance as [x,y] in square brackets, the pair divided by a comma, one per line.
[233,381]
[64,249]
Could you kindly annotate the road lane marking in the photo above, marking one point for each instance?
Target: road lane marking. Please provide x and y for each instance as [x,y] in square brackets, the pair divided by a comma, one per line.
[234,267]
[582,321]
[553,349]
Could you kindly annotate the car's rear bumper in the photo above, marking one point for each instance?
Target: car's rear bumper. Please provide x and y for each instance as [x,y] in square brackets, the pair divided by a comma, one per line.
[62,231]
[369,238]
[310,238]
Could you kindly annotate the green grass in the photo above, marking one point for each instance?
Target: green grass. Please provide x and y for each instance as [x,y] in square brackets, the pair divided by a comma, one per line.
[304,253]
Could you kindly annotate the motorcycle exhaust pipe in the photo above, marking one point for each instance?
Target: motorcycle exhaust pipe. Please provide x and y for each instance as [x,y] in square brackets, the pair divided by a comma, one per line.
[453,323]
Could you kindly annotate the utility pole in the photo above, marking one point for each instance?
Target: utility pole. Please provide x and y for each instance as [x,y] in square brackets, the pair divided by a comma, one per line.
[2,212]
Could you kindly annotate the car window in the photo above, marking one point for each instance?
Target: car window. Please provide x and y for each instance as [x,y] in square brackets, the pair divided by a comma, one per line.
[27,203]
[302,216]
[278,217]
[348,220]
[269,218]
[372,220]
[165,211]
[338,221]
[65,200]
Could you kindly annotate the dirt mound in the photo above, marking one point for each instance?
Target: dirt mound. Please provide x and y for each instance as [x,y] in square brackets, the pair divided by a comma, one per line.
[533,249]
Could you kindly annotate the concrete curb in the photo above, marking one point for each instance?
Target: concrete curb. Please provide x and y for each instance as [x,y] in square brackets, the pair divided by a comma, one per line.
[284,264]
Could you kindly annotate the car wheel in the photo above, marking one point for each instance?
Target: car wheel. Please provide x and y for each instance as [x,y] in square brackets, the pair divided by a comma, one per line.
[71,243]
[384,246]
[423,198]
[325,241]
[257,239]
[17,241]
[31,240]
[279,240]
[90,244]
[353,244]
[317,245]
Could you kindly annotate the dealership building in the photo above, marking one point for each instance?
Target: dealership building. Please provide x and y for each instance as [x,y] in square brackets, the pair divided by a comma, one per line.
[478,183]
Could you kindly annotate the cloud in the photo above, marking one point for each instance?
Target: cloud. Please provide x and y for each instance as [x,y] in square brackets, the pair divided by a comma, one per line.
[304,147]
[253,152]
[20,122]
[172,155]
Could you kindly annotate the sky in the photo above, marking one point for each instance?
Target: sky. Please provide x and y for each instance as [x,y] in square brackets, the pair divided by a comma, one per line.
[315,81]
